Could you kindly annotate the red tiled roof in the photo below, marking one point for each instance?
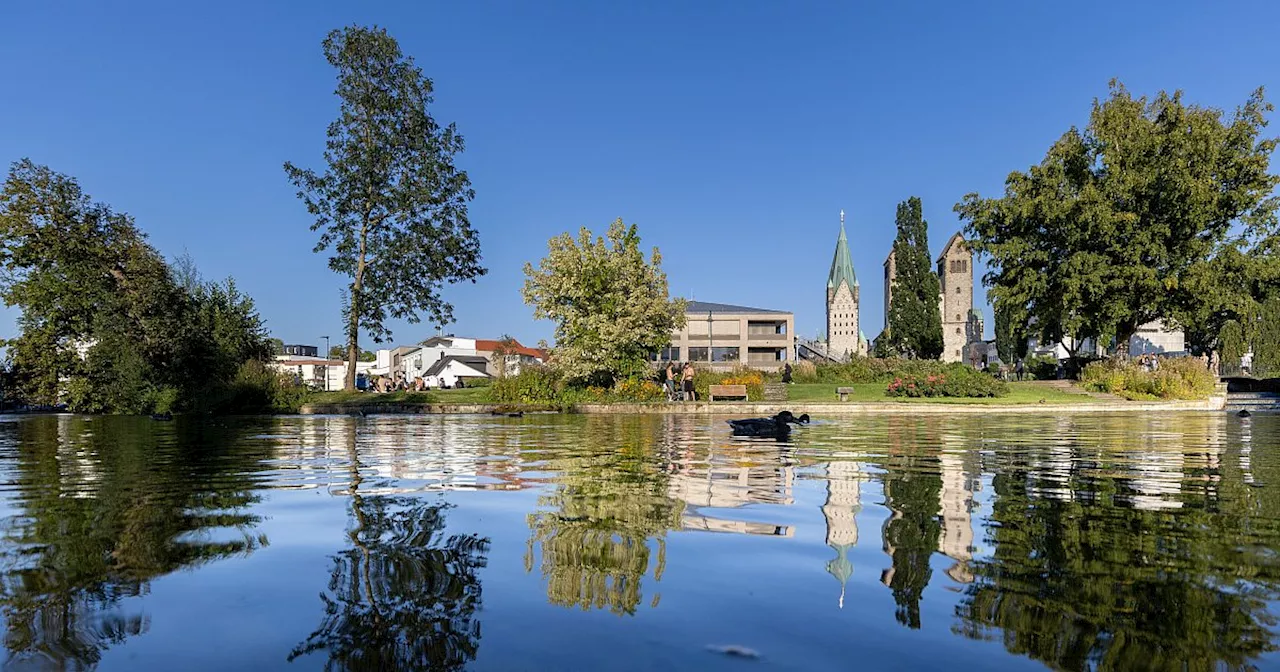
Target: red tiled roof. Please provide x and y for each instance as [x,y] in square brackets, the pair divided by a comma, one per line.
[308,362]
[491,346]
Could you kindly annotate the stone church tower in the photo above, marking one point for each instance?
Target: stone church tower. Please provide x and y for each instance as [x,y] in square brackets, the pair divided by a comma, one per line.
[843,334]
[955,300]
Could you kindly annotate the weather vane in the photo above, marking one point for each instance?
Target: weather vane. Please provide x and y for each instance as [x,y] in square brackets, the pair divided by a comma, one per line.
[842,215]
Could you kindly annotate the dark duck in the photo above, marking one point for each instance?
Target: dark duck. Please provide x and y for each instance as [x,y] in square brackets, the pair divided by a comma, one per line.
[778,425]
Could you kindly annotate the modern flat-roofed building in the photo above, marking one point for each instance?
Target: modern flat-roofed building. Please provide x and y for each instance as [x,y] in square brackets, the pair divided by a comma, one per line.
[723,336]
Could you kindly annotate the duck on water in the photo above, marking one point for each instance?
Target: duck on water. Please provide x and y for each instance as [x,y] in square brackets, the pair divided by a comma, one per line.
[778,425]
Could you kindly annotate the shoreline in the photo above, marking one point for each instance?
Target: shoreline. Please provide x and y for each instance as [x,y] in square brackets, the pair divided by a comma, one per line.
[1214,403]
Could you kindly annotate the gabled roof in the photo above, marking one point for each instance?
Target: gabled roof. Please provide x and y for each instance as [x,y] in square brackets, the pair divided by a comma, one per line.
[483,345]
[841,263]
[947,248]
[705,307]
[477,363]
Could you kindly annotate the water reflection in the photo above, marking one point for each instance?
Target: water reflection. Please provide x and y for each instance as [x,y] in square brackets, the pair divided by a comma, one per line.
[403,595]
[1107,542]
[95,511]
[592,539]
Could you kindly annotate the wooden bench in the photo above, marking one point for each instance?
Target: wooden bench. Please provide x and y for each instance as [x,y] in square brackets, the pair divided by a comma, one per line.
[844,393]
[714,391]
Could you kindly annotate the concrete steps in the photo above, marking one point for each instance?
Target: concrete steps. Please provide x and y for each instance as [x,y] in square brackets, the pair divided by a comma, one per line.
[1253,401]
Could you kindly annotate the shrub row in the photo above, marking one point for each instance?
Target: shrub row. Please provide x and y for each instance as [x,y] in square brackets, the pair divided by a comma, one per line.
[955,380]
[1175,378]
[866,370]
[541,384]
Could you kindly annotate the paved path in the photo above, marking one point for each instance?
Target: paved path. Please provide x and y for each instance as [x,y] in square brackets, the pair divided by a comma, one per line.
[1070,387]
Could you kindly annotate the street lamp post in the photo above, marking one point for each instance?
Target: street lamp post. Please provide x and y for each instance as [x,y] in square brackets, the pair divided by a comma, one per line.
[327,355]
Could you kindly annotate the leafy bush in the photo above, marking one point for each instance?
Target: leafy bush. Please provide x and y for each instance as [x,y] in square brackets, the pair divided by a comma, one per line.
[260,389]
[865,370]
[956,380]
[1174,378]
[534,384]
[705,378]
[1041,367]
[479,382]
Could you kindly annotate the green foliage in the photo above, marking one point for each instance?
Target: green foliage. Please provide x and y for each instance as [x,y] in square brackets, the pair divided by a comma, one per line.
[258,388]
[391,205]
[1232,345]
[866,370]
[276,345]
[754,380]
[1132,219]
[1266,340]
[534,384]
[106,325]
[956,380]
[1175,378]
[1041,367]
[1011,328]
[610,305]
[915,325]
[339,352]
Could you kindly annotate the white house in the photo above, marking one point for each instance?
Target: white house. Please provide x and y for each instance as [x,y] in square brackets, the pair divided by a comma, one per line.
[474,355]
[1150,339]
[317,372]
[448,370]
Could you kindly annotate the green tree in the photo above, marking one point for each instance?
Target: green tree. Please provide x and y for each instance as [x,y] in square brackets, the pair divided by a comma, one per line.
[915,325]
[610,305]
[1011,328]
[506,347]
[1232,346]
[276,345]
[339,352]
[106,325]
[1266,340]
[391,205]
[1121,222]
[99,305]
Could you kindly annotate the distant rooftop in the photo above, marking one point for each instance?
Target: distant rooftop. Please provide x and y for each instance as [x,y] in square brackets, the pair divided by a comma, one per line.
[705,307]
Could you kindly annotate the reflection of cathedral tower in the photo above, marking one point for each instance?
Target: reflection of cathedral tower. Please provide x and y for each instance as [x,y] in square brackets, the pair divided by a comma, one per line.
[840,509]
[956,540]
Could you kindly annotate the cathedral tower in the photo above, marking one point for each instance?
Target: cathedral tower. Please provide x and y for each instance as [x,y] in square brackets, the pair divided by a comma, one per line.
[955,301]
[843,334]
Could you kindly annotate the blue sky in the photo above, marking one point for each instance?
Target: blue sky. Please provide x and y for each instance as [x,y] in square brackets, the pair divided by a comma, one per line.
[732,132]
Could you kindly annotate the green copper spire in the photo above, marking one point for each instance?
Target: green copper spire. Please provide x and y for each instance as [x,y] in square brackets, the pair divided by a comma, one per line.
[842,265]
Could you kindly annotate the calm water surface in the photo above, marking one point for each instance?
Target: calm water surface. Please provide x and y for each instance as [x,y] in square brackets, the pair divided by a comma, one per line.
[640,543]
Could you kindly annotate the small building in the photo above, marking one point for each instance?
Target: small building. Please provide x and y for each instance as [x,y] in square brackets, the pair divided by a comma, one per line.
[723,336]
[448,370]
[517,355]
[301,351]
[314,372]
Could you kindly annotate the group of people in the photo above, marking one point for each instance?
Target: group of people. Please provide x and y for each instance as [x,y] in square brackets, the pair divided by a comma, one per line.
[678,380]
[402,384]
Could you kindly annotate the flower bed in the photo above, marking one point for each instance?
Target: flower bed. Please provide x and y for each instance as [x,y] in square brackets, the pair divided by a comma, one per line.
[956,380]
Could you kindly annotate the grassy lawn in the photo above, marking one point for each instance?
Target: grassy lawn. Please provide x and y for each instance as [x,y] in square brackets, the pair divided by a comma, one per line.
[467,395]
[1019,393]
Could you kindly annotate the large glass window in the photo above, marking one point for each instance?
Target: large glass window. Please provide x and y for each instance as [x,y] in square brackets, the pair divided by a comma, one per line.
[697,354]
[725,354]
[667,354]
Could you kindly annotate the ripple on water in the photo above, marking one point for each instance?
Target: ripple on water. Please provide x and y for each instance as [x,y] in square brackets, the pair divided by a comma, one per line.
[1114,541]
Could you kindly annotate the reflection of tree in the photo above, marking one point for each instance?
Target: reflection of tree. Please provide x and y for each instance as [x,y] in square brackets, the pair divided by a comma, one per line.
[103,507]
[911,533]
[612,499]
[404,595]
[1086,583]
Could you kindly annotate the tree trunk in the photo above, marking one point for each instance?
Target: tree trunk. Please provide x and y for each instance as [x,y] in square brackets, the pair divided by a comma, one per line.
[353,321]
[1124,332]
